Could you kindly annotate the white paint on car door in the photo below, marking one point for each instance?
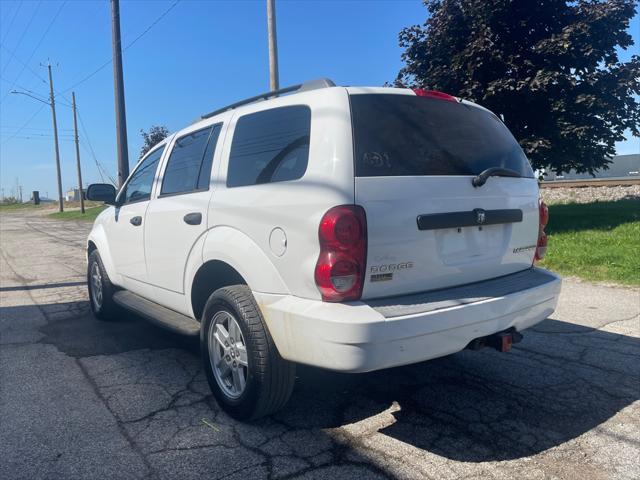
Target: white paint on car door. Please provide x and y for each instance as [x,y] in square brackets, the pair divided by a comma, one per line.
[126,235]
[177,216]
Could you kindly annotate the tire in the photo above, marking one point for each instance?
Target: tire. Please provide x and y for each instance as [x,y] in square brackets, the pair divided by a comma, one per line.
[268,378]
[103,308]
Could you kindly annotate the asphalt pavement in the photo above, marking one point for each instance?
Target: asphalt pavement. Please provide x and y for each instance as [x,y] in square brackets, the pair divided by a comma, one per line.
[84,399]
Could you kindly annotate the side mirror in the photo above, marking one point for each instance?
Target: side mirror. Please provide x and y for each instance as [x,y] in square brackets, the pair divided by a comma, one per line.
[102,192]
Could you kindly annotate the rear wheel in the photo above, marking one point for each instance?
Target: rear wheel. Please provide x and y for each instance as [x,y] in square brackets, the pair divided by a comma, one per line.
[101,289]
[246,373]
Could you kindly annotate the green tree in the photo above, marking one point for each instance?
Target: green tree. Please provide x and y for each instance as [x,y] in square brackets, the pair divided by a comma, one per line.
[155,135]
[549,67]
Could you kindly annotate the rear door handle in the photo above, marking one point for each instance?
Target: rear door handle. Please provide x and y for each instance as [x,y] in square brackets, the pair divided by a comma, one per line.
[136,221]
[194,218]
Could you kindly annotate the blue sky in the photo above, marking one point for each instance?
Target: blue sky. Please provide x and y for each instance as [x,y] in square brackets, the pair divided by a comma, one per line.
[199,56]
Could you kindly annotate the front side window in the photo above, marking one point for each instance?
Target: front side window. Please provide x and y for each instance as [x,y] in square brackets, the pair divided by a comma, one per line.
[270,146]
[139,186]
[398,135]
[189,166]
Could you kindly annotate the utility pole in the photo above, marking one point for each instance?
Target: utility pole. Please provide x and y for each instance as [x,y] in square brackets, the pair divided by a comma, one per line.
[55,138]
[118,81]
[18,190]
[75,130]
[273,45]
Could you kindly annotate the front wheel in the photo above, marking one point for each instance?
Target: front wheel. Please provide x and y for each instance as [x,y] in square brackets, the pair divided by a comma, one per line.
[246,373]
[101,289]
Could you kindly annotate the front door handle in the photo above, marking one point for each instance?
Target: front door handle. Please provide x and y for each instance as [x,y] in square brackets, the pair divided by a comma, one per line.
[194,218]
[136,221]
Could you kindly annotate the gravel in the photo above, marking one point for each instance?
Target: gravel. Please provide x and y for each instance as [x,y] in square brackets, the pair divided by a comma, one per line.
[589,194]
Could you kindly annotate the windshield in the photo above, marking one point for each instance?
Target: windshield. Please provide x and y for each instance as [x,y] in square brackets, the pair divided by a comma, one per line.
[405,135]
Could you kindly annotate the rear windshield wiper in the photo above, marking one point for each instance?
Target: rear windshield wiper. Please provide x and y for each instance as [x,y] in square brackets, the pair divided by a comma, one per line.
[482,178]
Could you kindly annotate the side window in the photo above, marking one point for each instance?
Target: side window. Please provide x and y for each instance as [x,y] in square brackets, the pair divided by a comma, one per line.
[270,146]
[139,186]
[189,166]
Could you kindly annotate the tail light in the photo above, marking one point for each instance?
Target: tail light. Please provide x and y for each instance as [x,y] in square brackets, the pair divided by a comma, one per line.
[420,92]
[541,247]
[341,265]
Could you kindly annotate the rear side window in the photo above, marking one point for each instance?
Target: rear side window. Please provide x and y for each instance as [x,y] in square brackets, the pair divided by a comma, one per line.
[189,166]
[404,135]
[270,146]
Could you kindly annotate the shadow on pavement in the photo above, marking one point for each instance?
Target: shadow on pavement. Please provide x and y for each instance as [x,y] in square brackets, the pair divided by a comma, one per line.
[82,335]
[560,382]
[555,387]
[40,286]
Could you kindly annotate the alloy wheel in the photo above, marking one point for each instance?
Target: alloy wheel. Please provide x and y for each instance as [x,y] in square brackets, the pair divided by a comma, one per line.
[96,286]
[228,354]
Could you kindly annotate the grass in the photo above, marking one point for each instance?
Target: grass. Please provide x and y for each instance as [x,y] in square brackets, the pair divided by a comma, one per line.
[72,210]
[595,241]
[89,215]
[10,207]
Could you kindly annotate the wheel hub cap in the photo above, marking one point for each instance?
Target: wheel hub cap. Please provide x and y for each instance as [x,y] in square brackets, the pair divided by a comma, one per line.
[228,354]
[96,286]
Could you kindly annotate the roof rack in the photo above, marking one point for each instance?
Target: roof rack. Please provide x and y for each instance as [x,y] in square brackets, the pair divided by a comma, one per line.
[301,87]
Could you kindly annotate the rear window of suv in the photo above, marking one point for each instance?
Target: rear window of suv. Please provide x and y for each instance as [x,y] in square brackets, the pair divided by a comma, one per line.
[406,135]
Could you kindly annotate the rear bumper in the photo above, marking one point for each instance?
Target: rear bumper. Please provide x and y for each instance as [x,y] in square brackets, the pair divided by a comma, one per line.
[360,337]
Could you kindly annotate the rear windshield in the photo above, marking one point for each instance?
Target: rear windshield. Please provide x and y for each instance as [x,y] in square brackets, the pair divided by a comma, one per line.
[398,135]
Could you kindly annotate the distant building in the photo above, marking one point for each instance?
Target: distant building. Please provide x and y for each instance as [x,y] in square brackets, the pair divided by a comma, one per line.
[72,195]
[621,166]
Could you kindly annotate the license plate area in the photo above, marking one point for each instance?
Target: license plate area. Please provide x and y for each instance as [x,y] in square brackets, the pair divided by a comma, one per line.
[464,245]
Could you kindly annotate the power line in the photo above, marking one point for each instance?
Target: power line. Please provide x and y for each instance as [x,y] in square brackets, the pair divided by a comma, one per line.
[31,137]
[97,165]
[23,88]
[129,45]
[15,14]
[152,24]
[25,124]
[26,66]
[37,134]
[5,127]
[24,31]
[93,155]
[9,81]
[44,34]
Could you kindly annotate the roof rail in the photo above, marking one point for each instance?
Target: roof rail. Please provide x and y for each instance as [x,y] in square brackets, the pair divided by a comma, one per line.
[301,87]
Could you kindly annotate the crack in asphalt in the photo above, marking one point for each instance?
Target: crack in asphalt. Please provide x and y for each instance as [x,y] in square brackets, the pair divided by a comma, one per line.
[122,430]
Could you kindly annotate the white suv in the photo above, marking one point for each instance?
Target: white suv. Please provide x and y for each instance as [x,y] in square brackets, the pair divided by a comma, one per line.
[352,229]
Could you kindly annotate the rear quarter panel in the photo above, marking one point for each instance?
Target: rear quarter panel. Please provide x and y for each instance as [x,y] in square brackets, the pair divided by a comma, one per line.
[297,206]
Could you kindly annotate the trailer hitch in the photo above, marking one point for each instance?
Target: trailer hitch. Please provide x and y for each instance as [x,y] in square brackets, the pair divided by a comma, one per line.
[501,341]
